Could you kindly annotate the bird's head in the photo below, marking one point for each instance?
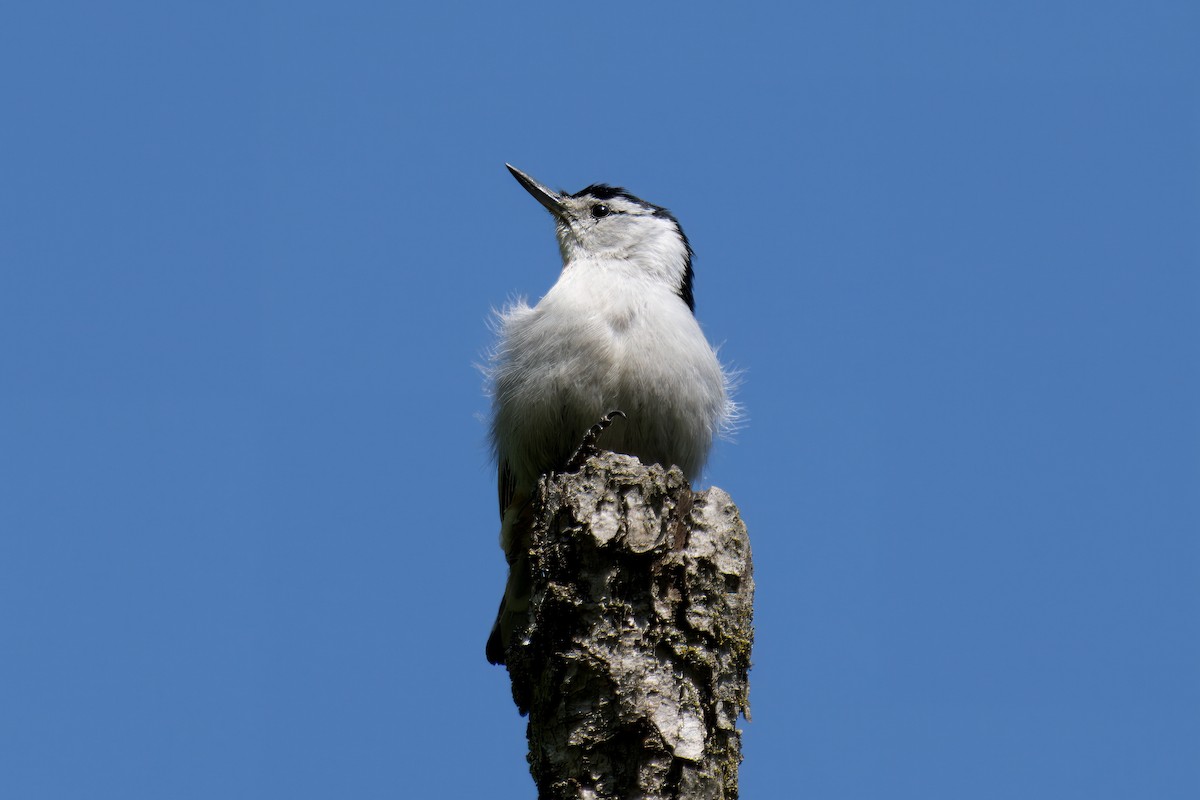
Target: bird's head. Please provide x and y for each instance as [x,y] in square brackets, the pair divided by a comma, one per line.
[605,222]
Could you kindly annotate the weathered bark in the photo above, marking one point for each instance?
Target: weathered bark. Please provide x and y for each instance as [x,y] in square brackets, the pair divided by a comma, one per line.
[634,667]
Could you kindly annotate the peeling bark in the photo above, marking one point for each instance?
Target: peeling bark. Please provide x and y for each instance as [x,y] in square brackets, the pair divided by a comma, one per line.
[633,669]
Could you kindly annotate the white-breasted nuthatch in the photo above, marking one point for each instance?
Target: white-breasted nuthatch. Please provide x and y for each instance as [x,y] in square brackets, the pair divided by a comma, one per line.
[615,333]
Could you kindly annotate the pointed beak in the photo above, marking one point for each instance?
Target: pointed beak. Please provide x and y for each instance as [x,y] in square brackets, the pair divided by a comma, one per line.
[550,199]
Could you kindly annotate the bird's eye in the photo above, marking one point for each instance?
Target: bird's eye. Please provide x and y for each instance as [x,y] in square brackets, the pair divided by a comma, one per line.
[600,210]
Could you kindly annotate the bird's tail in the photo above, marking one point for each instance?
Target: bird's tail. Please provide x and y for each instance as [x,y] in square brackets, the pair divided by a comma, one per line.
[513,614]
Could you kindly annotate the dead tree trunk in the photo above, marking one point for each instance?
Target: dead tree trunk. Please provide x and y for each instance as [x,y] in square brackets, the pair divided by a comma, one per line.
[634,667]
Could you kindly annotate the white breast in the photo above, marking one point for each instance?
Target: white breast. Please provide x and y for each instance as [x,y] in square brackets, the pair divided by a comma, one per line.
[599,342]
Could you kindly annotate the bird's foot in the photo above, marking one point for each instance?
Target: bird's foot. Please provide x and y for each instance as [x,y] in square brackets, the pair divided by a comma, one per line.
[588,448]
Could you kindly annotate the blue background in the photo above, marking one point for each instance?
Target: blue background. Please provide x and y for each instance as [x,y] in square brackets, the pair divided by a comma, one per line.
[247,255]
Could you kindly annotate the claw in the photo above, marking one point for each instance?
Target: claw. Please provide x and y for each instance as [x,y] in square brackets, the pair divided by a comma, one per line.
[587,448]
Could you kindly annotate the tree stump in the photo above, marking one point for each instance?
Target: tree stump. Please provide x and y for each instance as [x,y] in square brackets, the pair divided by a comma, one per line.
[633,668]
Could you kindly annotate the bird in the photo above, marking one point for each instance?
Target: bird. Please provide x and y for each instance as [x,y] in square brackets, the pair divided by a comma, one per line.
[615,335]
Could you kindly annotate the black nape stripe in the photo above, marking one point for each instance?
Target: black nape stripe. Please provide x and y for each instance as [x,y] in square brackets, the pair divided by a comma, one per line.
[685,288]
[602,191]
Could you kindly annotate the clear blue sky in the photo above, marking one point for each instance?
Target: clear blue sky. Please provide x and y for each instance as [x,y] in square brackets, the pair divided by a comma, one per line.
[247,253]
